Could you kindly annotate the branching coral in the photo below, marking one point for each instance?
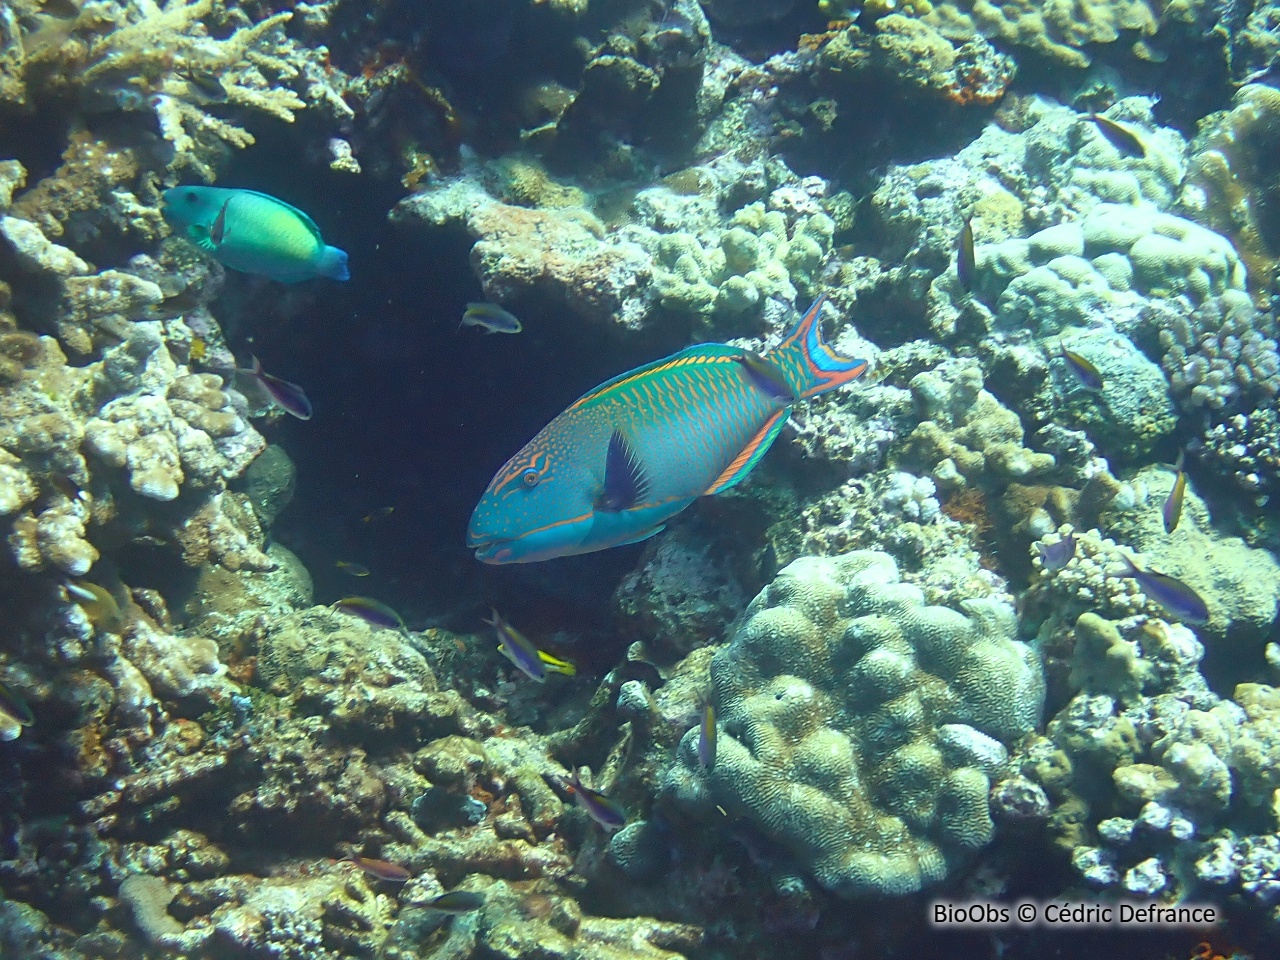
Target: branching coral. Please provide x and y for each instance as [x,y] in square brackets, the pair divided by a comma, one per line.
[139,55]
[1222,356]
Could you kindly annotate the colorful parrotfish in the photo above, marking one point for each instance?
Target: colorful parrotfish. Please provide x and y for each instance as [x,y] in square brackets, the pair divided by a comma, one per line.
[635,451]
[251,231]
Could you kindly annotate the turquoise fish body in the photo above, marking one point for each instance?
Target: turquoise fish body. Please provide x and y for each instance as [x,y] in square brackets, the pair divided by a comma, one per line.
[638,449]
[253,232]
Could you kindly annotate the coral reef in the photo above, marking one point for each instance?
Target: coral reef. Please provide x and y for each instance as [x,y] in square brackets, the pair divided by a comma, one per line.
[141,56]
[1222,356]
[860,727]
[1145,763]
[1073,273]
[670,249]
[965,434]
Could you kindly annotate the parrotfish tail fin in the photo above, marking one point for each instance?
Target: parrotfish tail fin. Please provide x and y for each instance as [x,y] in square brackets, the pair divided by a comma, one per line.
[808,363]
[333,264]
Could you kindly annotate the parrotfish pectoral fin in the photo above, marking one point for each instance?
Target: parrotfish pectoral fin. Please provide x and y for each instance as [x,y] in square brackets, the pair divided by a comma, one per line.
[333,264]
[751,453]
[625,481]
[643,536]
[200,237]
[808,363]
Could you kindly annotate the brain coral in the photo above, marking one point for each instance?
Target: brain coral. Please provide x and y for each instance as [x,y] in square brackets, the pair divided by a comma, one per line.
[860,727]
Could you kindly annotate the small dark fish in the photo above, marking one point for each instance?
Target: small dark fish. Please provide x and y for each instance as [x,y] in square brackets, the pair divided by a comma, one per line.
[1175,596]
[768,563]
[378,514]
[1172,511]
[491,318]
[209,85]
[218,232]
[1084,371]
[64,485]
[515,646]
[98,605]
[62,9]
[641,670]
[14,707]
[456,901]
[767,377]
[355,569]
[381,869]
[1126,142]
[608,813]
[966,257]
[288,396]
[148,540]
[1055,556]
[371,612]
[707,738]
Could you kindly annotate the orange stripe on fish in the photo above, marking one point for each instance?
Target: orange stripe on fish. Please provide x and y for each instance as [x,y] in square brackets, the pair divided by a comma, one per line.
[727,478]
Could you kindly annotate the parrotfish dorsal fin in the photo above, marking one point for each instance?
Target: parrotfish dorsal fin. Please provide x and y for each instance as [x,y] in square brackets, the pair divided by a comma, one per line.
[766,377]
[625,480]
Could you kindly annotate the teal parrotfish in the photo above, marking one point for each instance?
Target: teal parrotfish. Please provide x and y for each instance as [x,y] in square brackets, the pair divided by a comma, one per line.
[638,449]
[253,232]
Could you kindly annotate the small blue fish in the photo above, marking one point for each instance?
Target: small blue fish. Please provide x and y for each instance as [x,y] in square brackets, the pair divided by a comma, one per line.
[491,318]
[1175,596]
[371,611]
[707,738]
[289,397]
[513,645]
[1084,371]
[608,813]
[253,232]
[1055,556]
[1172,511]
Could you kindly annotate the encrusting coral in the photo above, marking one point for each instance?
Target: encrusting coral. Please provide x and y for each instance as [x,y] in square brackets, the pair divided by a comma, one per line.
[67,430]
[860,727]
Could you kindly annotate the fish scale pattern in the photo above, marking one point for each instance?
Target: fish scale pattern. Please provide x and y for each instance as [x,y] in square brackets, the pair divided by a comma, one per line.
[858,723]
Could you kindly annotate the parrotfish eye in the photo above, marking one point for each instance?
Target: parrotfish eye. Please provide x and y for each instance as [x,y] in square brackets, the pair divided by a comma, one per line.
[531,477]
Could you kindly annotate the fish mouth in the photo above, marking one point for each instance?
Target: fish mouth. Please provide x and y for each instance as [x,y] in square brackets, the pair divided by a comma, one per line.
[490,549]
[493,552]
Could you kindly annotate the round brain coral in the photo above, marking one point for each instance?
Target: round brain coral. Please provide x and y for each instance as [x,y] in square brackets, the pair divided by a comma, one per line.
[833,696]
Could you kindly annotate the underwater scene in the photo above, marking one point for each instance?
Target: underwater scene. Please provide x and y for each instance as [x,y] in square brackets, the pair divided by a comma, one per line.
[639,480]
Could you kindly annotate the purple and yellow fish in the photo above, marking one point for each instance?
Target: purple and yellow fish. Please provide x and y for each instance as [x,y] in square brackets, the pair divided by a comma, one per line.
[638,449]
